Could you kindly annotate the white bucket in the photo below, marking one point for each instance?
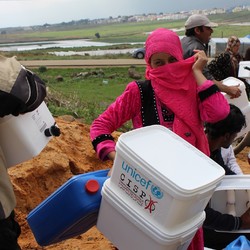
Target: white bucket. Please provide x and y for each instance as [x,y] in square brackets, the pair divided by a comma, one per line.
[163,177]
[232,196]
[127,228]
[244,69]
[241,102]
[22,137]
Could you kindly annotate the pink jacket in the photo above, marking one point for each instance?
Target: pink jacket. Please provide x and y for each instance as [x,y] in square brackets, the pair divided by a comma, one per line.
[128,107]
[174,86]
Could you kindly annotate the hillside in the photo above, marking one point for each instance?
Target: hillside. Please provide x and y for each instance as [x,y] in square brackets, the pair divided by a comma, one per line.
[65,156]
[124,31]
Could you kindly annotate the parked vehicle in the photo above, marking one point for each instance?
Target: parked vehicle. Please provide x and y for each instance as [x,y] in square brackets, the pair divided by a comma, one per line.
[139,53]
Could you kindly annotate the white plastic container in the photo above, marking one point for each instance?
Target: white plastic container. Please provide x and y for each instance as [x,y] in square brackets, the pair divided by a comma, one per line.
[244,69]
[232,195]
[22,137]
[241,102]
[163,177]
[127,229]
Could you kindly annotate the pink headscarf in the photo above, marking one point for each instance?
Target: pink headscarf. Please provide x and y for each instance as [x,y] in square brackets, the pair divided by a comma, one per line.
[175,86]
[163,40]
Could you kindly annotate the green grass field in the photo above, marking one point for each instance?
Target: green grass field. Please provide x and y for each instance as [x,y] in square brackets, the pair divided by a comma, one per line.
[86,97]
[123,33]
[129,32]
[85,93]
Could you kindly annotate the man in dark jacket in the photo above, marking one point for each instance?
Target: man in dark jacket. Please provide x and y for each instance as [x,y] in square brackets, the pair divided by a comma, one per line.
[198,33]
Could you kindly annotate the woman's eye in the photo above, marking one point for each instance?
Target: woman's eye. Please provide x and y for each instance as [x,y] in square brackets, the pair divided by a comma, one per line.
[159,63]
[172,60]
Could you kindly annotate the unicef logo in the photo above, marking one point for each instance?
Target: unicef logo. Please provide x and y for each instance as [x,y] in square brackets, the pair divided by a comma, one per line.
[156,191]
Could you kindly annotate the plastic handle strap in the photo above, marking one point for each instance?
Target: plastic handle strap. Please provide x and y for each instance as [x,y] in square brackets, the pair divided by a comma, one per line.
[231,202]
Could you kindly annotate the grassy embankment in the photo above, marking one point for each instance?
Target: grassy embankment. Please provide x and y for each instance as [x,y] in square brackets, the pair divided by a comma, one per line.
[88,96]
[123,33]
[85,93]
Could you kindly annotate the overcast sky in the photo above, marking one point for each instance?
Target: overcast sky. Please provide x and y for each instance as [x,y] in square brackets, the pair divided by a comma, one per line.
[38,12]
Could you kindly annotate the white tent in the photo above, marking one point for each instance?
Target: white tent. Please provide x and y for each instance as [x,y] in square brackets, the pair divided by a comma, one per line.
[218,45]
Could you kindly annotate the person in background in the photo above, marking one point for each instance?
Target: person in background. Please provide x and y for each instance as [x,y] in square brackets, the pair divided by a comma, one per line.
[232,49]
[197,36]
[229,159]
[226,64]
[175,94]
[233,46]
[222,134]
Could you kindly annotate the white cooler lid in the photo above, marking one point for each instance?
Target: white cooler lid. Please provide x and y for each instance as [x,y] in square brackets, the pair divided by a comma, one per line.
[234,182]
[170,159]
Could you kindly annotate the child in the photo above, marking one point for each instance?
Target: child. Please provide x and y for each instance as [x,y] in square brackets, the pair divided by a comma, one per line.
[176,95]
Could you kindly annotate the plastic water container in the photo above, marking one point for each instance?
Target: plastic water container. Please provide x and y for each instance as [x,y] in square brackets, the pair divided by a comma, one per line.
[232,196]
[23,137]
[241,102]
[163,177]
[127,228]
[70,211]
[241,243]
[244,69]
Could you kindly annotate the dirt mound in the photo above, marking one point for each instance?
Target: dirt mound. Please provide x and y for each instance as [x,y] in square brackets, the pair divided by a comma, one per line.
[65,156]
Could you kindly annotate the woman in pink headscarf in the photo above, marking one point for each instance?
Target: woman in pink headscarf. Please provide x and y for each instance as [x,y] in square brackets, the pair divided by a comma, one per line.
[175,94]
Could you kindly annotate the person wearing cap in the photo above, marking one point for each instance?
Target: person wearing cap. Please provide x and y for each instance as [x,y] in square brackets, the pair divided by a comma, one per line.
[175,94]
[198,34]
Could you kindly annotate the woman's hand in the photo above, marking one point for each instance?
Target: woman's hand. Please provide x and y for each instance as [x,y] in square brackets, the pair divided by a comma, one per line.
[233,91]
[245,220]
[200,62]
[111,156]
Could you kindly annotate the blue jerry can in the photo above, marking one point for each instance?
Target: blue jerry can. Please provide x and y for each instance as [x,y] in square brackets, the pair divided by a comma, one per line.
[70,211]
[241,243]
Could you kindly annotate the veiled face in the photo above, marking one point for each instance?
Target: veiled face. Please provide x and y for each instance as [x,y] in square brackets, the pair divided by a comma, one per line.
[160,59]
[235,48]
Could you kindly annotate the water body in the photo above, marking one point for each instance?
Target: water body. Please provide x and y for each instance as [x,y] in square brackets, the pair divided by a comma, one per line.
[50,44]
[98,52]
[65,44]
